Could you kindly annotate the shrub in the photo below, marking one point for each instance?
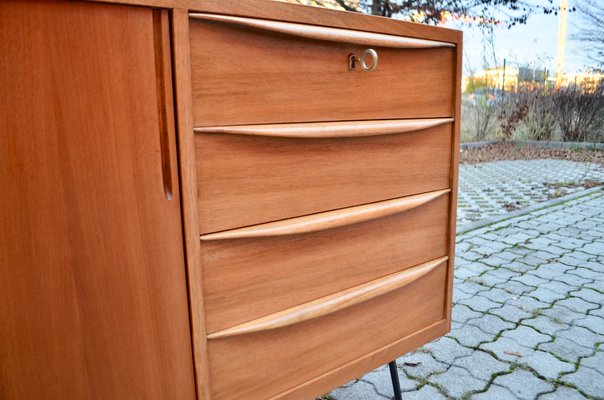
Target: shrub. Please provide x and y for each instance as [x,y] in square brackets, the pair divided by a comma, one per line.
[580,113]
[479,116]
[540,121]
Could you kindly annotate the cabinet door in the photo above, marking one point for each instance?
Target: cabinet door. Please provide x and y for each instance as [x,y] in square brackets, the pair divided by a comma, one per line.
[93,300]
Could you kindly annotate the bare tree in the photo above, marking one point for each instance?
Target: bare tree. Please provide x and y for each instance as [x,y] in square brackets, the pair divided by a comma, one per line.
[591,32]
[509,12]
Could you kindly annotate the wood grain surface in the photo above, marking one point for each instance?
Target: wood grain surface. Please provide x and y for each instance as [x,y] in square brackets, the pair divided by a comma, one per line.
[282,359]
[329,219]
[239,273]
[93,301]
[350,36]
[281,11]
[246,180]
[247,76]
[332,303]
[318,130]
[188,179]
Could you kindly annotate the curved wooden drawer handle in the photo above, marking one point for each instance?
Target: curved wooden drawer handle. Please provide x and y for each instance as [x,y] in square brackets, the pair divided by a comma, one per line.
[320,130]
[324,33]
[329,219]
[332,303]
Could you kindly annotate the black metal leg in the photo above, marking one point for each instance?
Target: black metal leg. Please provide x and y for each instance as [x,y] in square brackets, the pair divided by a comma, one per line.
[396,385]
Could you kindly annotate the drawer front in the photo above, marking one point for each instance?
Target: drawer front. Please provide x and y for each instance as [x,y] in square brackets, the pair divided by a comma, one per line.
[246,73]
[296,267]
[282,359]
[245,179]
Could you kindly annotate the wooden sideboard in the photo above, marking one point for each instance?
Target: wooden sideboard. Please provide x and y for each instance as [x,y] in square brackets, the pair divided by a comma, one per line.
[208,199]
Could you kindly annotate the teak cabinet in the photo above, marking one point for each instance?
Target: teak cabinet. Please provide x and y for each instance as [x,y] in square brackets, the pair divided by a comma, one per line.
[209,199]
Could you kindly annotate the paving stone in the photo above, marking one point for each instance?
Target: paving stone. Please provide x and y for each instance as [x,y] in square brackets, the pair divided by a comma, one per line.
[462,313]
[497,295]
[426,392]
[520,266]
[510,313]
[555,250]
[458,294]
[509,255]
[382,383]
[488,280]
[589,273]
[506,349]
[517,288]
[589,295]
[420,365]
[446,350]
[481,365]
[546,295]
[562,393]
[557,267]
[495,392]
[504,273]
[470,335]
[523,384]
[546,365]
[577,304]
[461,245]
[597,285]
[593,323]
[557,287]
[545,255]
[572,280]
[471,287]
[549,271]
[526,336]
[457,381]
[565,349]
[581,336]
[476,268]
[491,324]
[463,274]
[357,391]
[528,304]
[589,380]
[562,314]
[595,362]
[596,265]
[580,255]
[530,280]
[479,303]
[593,249]
[570,260]
[490,251]
[599,312]
[472,256]
[545,325]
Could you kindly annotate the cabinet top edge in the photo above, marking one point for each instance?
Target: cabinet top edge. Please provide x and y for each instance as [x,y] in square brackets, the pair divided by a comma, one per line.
[277,10]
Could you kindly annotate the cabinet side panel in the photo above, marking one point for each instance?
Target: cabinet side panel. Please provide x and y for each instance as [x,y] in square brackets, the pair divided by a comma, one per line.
[93,297]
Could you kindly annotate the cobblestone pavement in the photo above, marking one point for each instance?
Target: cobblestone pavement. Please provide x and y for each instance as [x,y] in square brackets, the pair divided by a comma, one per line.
[491,189]
[528,315]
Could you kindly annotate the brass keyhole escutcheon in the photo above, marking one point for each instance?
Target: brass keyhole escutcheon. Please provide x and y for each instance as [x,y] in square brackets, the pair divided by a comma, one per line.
[369,53]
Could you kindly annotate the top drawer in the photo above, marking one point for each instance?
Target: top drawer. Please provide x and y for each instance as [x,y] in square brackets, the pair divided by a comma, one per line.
[250,71]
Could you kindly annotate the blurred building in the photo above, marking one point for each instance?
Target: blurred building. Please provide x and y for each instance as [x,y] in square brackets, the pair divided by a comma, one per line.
[587,80]
[510,79]
[507,78]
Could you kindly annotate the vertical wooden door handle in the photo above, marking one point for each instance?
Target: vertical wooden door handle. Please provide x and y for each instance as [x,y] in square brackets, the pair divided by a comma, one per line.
[165,109]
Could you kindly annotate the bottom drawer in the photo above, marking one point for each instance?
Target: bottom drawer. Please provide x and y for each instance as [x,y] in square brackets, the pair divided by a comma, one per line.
[270,362]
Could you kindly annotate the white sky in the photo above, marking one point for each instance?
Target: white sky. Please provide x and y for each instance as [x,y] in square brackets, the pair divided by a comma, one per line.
[532,44]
